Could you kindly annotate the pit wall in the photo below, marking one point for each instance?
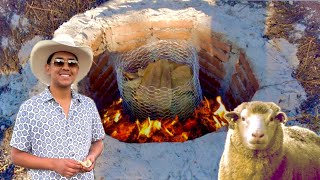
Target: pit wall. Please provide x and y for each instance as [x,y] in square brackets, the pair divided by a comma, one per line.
[224,68]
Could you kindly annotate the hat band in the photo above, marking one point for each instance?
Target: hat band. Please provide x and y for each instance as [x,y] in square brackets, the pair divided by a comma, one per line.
[66,43]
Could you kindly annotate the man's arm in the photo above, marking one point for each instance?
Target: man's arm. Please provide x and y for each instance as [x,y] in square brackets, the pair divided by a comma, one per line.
[65,167]
[94,152]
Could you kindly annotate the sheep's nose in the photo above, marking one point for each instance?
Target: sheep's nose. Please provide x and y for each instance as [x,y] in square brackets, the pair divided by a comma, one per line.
[258,134]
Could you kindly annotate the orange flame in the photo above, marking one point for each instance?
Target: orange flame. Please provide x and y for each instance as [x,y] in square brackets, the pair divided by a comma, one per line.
[147,127]
[208,117]
[222,109]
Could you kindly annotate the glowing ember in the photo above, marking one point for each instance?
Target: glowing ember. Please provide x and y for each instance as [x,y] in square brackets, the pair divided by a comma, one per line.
[208,117]
[148,127]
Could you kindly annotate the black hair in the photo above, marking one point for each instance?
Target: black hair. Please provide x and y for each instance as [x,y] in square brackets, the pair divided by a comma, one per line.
[49,58]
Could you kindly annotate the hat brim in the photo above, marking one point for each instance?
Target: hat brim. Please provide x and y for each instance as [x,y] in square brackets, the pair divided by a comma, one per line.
[43,49]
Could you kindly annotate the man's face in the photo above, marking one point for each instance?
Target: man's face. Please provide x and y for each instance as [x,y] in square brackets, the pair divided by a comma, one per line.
[63,69]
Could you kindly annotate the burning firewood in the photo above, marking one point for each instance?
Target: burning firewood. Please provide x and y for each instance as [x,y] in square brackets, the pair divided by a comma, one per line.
[207,117]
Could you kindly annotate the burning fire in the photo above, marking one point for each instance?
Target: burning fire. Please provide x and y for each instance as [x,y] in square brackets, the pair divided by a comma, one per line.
[208,117]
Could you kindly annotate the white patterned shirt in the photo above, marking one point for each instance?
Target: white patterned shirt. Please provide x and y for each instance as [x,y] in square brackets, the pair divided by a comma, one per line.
[42,129]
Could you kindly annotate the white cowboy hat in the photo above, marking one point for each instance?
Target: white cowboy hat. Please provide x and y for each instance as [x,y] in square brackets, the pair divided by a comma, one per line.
[62,42]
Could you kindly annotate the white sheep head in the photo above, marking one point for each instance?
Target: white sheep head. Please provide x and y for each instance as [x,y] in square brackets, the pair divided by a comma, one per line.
[256,123]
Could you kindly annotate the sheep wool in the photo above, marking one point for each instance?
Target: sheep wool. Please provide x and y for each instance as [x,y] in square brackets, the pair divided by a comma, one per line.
[259,146]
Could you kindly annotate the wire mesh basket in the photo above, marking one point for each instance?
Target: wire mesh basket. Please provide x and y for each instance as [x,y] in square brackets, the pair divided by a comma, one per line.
[164,96]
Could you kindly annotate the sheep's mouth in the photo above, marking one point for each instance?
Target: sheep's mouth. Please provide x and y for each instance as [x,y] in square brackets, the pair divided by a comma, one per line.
[256,145]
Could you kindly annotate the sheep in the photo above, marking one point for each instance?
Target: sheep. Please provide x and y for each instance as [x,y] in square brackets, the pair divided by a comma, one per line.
[259,145]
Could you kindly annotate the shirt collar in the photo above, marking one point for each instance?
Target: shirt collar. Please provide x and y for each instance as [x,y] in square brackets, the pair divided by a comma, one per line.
[47,96]
[75,95]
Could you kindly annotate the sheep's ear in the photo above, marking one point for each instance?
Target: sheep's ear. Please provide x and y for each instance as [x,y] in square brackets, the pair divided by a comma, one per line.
[281,116]
[231,117]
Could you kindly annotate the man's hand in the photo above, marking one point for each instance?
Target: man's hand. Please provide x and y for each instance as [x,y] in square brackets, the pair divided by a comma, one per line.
[88,163]
[67,167]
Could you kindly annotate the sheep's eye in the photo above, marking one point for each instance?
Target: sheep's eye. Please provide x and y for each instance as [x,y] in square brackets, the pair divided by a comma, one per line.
[271,119]
[243,119]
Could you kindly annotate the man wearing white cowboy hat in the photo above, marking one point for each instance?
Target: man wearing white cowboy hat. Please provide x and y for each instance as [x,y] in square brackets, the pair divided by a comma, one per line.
[58,130]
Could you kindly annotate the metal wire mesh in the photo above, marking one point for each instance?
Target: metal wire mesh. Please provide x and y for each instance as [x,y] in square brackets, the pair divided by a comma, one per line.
[141,101]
